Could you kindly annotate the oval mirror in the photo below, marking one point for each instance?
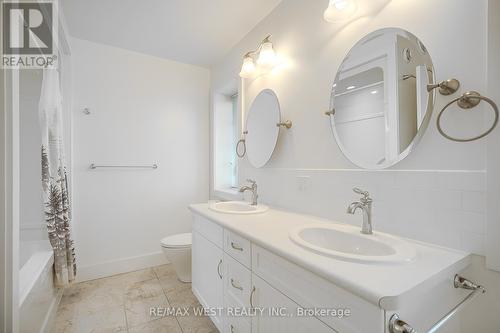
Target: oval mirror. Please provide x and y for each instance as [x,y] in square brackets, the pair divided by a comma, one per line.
[379,99]
[262,132]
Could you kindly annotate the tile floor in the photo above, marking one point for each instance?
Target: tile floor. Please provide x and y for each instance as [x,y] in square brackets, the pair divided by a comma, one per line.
[122,303]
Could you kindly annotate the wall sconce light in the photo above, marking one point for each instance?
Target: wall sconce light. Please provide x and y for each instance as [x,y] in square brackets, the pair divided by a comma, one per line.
[266,58]
[248,67]
[339,10]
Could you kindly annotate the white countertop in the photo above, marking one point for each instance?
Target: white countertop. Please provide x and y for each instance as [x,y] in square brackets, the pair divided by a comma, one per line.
[384,285]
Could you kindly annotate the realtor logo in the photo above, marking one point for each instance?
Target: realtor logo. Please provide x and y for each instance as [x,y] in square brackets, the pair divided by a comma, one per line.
[29,32]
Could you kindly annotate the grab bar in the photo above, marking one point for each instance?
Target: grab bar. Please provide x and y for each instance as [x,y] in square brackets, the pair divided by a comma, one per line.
[153,166]
[396,325]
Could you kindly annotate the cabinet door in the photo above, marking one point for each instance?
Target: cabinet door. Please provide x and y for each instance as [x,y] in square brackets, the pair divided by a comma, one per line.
[279,313]
[207,270]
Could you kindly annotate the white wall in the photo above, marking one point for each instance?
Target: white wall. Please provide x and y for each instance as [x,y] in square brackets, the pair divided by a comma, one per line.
[438,193]
[493,141]
[143,110]
[483,316]
[31,213]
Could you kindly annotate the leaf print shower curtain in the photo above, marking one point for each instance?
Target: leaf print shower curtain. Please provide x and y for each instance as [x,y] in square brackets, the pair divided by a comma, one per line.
[55,180]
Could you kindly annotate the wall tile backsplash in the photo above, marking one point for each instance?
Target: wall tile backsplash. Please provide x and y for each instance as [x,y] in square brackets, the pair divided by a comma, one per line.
[441,207]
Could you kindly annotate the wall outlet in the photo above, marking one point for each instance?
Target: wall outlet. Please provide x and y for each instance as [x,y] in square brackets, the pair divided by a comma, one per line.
[303,183]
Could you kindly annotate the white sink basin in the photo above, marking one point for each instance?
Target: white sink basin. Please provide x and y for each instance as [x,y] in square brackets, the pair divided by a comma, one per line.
[237,207]
[346,242]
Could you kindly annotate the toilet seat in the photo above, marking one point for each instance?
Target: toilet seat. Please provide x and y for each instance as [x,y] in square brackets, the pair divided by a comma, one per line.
[179,241]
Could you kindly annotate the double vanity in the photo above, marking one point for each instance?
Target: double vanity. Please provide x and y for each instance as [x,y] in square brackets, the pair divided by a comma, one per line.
[258,269]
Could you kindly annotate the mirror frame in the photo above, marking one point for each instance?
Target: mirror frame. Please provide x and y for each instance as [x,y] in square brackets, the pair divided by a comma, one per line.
[275,144]
[425,120]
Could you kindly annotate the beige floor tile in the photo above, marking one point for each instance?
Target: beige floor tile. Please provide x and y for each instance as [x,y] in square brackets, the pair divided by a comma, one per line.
[67,312]
[196,324]
[143,290]
[139,311]
[136,276]
[123,302]
[78,291]
[101,291]
[104,320]
[182,298]
[168,278]
[66,318]
[164,325]
[63,326]
[85,302]
[79,318]
[164,270]
[171,283]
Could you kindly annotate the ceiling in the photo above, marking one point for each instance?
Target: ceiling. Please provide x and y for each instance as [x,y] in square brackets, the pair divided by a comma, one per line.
[198,32]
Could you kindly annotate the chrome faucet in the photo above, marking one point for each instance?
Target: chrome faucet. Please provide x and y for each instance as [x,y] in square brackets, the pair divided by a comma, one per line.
[365,204]
[252,188]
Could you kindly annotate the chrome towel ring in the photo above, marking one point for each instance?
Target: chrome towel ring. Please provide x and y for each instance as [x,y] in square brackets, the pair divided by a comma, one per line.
[241,141]
[468,100]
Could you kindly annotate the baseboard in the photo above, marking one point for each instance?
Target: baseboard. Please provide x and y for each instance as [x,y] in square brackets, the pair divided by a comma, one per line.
[124,265]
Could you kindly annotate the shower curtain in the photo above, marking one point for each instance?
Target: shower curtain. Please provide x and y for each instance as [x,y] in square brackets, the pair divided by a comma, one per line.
[55,180]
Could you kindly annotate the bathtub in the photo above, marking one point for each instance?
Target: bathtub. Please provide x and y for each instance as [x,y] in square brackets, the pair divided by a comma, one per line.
[38,298]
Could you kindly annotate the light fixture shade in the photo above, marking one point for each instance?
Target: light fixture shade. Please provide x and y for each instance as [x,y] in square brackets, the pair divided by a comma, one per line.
[267,56]
[339,10]
[248,67]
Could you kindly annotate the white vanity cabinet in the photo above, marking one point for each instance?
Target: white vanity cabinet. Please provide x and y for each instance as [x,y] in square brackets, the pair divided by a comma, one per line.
[262,271]
[281,312]
[311,291]
[222,277]
[208,268]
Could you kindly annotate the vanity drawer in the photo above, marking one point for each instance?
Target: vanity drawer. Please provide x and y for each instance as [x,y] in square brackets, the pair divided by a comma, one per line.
[210,230]
[312,291]
[238,247]
[237,283]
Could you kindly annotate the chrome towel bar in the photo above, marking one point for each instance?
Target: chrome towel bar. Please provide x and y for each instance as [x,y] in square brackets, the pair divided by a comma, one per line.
[396,325]
[153,166]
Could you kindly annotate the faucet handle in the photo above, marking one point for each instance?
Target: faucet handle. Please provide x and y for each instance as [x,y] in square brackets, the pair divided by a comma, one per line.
[365,194]
[251,181]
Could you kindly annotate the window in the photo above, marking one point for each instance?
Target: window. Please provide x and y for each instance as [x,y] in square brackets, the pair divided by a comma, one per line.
[235,138]
[226,135]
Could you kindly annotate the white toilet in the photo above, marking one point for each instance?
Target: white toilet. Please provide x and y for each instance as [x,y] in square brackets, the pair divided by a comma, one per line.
[177,248]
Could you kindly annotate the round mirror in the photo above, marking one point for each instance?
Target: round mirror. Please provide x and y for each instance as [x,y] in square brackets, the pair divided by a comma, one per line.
[379,100]
[262,132]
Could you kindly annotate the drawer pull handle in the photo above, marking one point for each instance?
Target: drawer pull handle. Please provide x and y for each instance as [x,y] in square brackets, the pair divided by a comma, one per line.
[236,247]
[251,297]
[235,285]
[218,269]
[232,329]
